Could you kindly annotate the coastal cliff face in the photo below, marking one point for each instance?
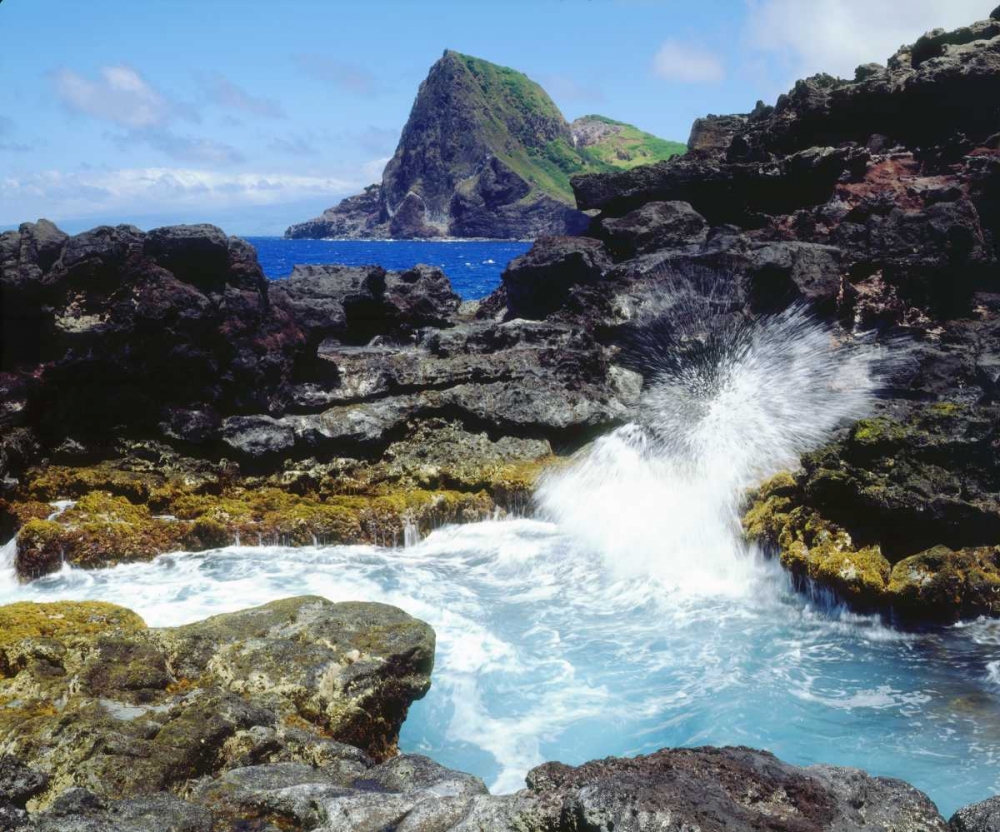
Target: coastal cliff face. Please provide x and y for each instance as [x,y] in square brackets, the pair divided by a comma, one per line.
[485,153]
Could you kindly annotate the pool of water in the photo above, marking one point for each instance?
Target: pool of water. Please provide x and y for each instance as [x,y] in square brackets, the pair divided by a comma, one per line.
[548,652]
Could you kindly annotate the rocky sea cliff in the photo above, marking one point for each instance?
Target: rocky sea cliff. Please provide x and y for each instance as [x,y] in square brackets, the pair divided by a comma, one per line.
[179,401]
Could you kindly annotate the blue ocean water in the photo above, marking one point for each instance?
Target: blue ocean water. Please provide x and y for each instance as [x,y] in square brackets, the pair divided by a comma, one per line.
[474,266]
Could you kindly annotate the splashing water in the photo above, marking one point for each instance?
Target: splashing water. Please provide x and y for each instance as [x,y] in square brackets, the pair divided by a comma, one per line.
[660,496]
[555,643]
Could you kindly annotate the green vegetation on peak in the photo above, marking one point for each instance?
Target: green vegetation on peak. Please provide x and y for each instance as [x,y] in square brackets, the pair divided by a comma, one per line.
[525,129]
[620,145]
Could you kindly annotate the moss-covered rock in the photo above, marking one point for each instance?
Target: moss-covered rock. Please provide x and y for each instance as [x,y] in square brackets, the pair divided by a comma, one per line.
[28,620]
[93,698]
[944,584]
[132,509]
[98,530]
[853,520]
[813,548]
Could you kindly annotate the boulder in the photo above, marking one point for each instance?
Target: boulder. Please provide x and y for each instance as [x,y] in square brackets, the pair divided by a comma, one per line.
[712,135]
[195,254]
[539,282]
[144,711]
[320,298]
[726,788]
[421,297]
[655,226]
[984,816]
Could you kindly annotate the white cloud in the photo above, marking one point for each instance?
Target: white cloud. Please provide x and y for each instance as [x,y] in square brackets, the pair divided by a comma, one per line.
[119,95]
[835,36]
[346,77]
[687,63]
[88,193]
[225,93]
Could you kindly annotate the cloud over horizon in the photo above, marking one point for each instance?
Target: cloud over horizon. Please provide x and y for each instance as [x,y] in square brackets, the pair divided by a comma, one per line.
[687,63]
[88,193]
[836,36]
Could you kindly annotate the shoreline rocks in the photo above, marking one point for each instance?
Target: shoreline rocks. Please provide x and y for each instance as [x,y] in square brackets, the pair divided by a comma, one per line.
[163,373]
[287,716]
[95,700]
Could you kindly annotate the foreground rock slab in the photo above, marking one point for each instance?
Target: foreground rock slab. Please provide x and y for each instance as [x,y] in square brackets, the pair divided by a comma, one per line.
[93,698]
[709,789]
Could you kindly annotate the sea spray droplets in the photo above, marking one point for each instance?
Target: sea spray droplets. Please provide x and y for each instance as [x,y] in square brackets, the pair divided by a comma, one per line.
[724,407]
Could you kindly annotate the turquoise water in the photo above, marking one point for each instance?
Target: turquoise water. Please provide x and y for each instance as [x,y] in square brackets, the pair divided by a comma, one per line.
[474,266]
[544,652]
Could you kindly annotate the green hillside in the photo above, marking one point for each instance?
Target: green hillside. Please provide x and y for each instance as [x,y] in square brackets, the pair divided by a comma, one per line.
[622,145]
[527,131]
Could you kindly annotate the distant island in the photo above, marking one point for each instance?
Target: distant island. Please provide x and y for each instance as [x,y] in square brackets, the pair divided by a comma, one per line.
[486,153]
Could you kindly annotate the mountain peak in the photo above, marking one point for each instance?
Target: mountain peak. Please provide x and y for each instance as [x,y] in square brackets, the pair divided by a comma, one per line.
[485,153]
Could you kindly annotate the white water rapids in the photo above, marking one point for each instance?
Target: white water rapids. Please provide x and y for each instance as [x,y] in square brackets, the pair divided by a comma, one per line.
[629,615]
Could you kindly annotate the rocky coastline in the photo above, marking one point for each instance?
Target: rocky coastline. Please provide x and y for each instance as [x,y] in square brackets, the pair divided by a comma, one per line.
[286,717]
[180,400]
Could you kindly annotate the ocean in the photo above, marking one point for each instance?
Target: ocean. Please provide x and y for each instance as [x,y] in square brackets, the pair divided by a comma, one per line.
[474,266]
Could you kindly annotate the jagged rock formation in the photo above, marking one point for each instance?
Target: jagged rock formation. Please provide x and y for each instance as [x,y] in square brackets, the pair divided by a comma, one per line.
[160,374]
[485,153]
[701,788]
[146,710]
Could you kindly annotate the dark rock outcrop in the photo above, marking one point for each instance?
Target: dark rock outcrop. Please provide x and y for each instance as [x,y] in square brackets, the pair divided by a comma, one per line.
[980,817]
[700,788]
[874,201]
[162,374]
[540,282]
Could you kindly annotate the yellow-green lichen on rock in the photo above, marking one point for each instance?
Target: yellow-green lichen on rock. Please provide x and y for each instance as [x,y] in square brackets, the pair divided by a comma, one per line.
[93,698]
[812,547]
[944,583]
[58,619]
[937,584]
[152,501]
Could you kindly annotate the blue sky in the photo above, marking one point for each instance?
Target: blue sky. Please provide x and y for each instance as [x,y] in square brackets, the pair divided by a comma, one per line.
[257,114]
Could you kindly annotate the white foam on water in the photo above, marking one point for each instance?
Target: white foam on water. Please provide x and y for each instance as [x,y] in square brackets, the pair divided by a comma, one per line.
[661,495]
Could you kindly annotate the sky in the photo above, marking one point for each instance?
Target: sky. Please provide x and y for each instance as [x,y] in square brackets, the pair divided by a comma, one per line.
[257,114]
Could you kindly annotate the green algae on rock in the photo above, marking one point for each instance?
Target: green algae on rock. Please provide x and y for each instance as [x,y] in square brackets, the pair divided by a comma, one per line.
[127,510]
[97,700]
[811,547]
[941,583]
[860,515]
